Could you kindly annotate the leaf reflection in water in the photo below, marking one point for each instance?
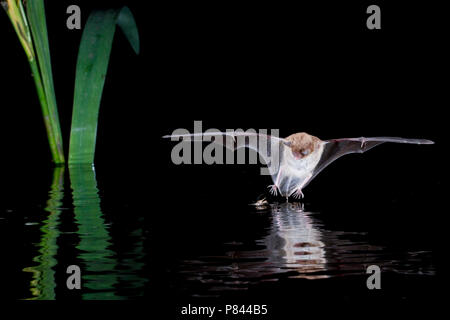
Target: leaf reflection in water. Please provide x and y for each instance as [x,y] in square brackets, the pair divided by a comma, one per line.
[43,285]
[106,273]
[97,257]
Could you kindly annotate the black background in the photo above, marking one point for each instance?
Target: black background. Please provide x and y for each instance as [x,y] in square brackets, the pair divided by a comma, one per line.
[310,67]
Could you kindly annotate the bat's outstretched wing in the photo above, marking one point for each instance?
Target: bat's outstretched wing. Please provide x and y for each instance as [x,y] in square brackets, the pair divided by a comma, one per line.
[270,148]
[336,148]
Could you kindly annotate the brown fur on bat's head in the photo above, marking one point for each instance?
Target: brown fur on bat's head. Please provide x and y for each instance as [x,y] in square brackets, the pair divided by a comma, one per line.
[303,144]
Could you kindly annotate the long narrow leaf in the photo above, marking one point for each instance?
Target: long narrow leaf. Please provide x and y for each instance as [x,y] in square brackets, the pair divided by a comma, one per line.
[16,14]
[92,64]
[36,16]
[127,24]
[19,20]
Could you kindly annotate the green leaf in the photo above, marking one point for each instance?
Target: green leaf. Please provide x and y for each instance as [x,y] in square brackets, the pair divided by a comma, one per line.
[37,21]
[127,24]
[92,65]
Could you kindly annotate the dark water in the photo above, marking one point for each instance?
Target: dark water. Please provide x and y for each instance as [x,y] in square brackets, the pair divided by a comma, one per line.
[131,250]
[296,245]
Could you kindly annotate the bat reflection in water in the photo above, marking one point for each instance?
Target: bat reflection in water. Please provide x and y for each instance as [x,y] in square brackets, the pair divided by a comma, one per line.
[294,161]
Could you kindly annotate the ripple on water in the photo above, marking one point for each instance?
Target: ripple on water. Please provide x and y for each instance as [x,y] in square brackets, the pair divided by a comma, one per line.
[296,245]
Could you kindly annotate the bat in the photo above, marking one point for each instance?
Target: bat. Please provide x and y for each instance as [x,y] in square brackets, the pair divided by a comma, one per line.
[293,162]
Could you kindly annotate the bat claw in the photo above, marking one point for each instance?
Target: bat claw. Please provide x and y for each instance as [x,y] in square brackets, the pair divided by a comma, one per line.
[298,194]
[273,189]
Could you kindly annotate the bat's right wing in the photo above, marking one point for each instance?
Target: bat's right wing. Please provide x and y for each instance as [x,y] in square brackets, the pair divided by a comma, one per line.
[270,148]
[336,148]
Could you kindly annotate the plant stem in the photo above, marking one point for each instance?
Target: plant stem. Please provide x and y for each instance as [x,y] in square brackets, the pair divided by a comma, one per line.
[52,126]
[18,18]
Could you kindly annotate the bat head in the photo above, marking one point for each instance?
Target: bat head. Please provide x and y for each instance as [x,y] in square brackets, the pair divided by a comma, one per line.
[303,144]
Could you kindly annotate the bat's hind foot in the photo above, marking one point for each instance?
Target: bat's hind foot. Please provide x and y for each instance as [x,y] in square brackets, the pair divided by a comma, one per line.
[273,189]
[298,194]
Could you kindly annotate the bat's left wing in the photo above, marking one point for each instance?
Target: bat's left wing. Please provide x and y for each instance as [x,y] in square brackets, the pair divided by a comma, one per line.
[268,147]
[336,148]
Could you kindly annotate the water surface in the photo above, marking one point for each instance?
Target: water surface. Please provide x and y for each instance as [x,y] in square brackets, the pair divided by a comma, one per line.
[129,249]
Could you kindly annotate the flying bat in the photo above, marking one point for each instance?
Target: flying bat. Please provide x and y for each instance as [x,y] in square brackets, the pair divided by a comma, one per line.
[293,162]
